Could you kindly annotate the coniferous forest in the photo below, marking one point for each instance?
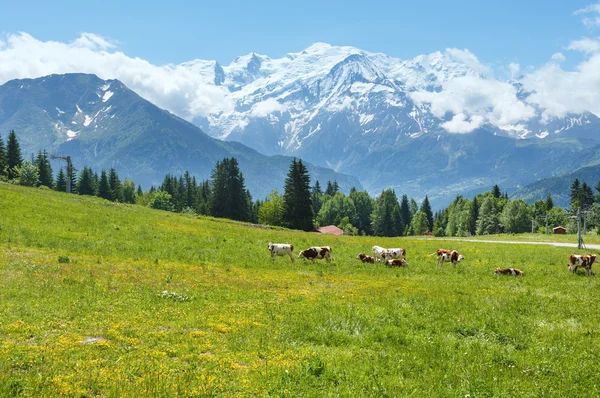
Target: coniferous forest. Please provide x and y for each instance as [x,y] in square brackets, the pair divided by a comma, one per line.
[305,204]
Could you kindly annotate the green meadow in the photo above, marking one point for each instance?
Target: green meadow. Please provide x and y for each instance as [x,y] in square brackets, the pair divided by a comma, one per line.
[99,299]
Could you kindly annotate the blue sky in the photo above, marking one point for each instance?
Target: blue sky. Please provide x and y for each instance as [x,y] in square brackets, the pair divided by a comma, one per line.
[526,32]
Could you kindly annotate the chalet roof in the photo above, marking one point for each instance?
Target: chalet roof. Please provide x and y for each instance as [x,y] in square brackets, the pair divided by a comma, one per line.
[330,229]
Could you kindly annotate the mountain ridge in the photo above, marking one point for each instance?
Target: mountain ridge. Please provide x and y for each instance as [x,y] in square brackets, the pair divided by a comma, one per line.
[102,123]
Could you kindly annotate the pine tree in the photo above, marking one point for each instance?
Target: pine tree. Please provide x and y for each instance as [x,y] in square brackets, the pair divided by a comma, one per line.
[85,184]
[140,192]
[116,189]
[474,215]
[329,189]
[44,169]
[496,191]
[3,159]
[575,195]
[104,187]
[426,208]
[586,197]
[13,155]
[413,206]
[550,202]
[230,198]
[405,215]
[316,196]
[61,181]
[298,208]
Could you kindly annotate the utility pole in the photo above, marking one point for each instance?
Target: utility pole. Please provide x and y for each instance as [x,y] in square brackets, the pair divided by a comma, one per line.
[579,240]
[533,225]
[69,170]
[546,222]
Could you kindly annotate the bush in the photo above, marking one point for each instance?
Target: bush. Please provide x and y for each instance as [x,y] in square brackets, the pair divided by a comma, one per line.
[63,259]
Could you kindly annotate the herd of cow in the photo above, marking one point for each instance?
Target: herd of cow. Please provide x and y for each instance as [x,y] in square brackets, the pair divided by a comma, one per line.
[397,257]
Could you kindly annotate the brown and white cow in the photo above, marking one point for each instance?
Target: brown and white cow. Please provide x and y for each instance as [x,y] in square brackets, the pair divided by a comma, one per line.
[583,261]
[396,262]
[444,255]
[508,271]
[379,253]
[281,249]
[316,253]
[365,259]
[396,253]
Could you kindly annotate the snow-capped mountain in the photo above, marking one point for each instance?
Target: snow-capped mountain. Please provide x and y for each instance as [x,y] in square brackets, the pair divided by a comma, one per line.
[355,111]
[102,123]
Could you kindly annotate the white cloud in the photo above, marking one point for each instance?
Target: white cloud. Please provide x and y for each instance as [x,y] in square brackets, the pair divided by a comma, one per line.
[482,100]
[558,92]
[586,45]
[558,57]
[266,107]
[173,87]
[514,69]
[593,20]
[468,58]
[460,123]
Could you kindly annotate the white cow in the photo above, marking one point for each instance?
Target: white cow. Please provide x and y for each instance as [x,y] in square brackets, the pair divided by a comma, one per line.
[396,253]
[380,253]
[281,249]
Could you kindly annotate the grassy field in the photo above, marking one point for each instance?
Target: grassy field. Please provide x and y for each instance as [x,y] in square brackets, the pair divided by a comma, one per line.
[105,300]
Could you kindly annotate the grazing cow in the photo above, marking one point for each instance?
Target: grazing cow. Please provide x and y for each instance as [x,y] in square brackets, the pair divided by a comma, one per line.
[281,249]
[316,253]
[396,253]
[508,271]
[396,262]
[365,259]
[379,253]
[444,255]
[583,261]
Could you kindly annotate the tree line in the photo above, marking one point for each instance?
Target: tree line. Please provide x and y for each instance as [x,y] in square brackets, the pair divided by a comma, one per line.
[306,207]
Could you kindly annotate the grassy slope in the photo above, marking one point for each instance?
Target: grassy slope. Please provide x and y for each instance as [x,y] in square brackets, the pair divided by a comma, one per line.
[98,325]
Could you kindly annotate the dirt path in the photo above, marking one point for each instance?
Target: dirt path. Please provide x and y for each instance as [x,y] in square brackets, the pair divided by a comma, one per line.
[514,242]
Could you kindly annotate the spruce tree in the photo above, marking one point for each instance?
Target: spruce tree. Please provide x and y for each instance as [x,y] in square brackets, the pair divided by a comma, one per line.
[496,191]
[229,198]
[587,197]
[405,214]
[426,208]
[474,215]
[575,196]
[61,181]
[44,169]
[298,208]
[550,202]
[316,195]
[116,189]
[85,184]
[3,159]
[14,158]
[140,192]
[104,187]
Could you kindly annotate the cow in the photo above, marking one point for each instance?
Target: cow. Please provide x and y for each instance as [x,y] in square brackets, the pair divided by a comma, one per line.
[444,255]
[396,262]
[379,253]
[396,253]
[366,259]
[509,271]
[316,253]
[583,261]
[281,249]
